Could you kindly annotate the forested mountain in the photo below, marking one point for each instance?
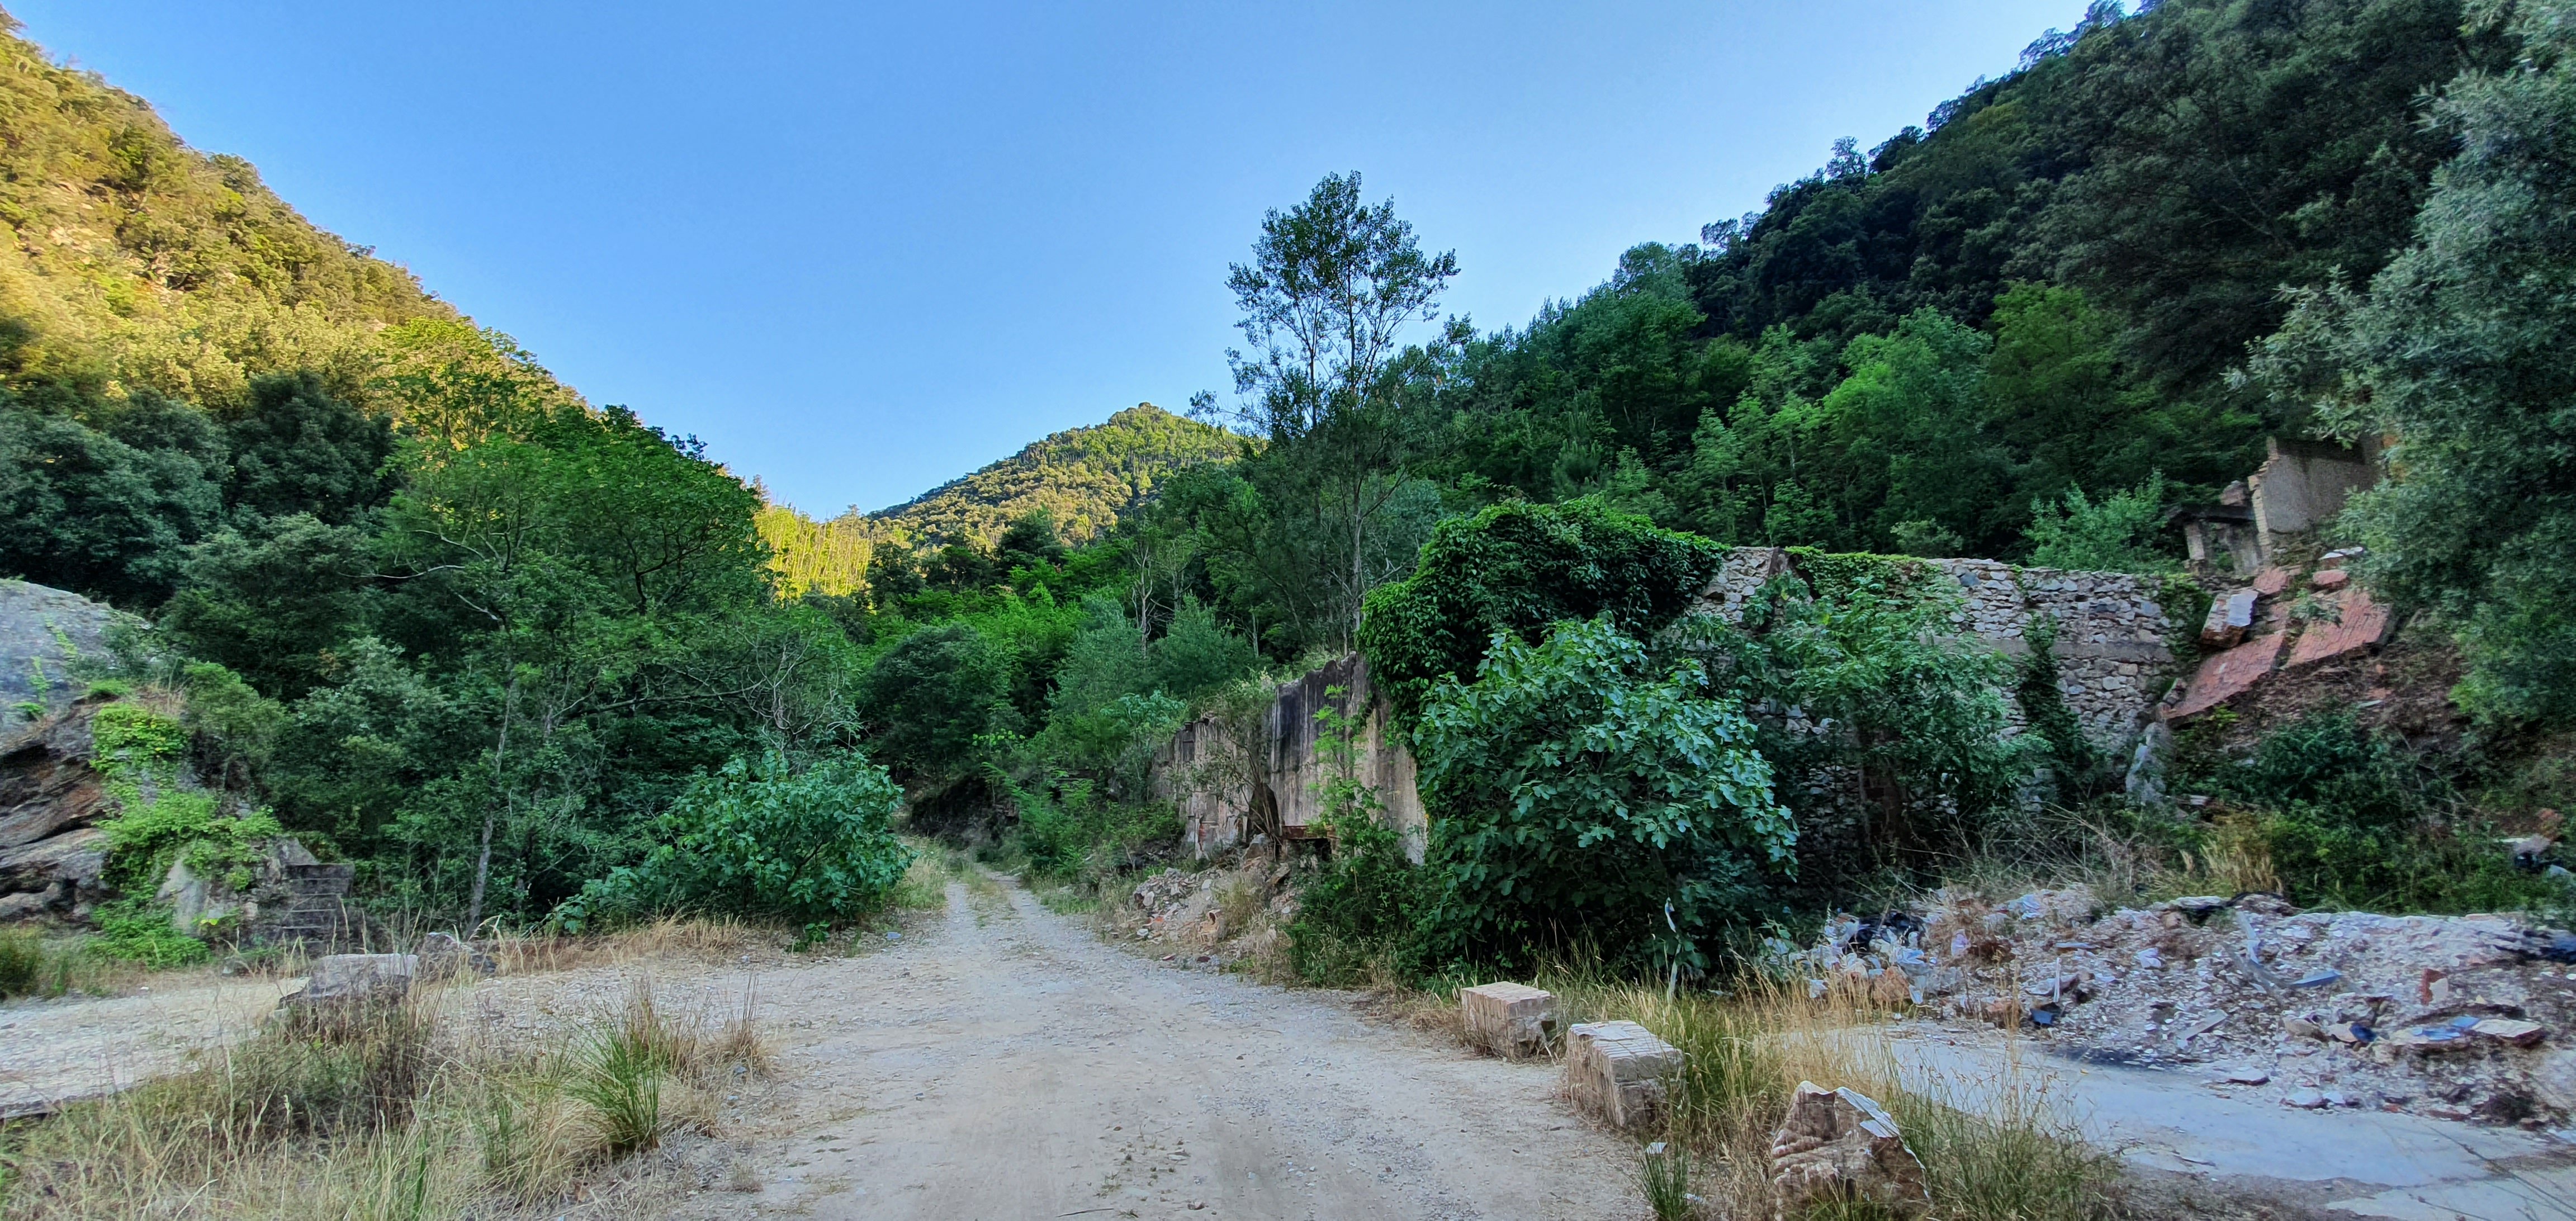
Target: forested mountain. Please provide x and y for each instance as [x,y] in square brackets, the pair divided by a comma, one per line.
[1081,480]
[2042,289]
[137,263]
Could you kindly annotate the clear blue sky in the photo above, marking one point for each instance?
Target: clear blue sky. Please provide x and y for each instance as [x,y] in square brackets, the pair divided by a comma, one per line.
[864,248]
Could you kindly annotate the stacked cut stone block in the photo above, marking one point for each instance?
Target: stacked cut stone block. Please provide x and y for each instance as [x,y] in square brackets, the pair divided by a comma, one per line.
[1617,1070]
[1509,1020]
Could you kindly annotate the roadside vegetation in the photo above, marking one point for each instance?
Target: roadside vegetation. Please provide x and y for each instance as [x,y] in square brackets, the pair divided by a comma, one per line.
[548,675]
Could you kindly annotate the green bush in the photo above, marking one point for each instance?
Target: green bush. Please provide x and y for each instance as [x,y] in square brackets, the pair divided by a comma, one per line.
[759,838]
[1578,787]
[1359,913]
[1514,570]
[1887,689]
[2348,820]
[1067,826]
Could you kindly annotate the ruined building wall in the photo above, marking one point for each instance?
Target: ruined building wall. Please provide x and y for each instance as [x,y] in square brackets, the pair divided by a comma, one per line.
[1232,783]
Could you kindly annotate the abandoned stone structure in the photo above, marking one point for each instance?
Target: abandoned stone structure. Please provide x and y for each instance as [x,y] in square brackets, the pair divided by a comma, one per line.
[2272,517]
[1263,780]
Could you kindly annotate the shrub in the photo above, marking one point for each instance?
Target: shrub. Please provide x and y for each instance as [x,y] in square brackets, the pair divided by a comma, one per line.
[1576,785]
[2345,819]
[1883,688]
[1357,915]
[1514,570]
[2114,534]
[758,838]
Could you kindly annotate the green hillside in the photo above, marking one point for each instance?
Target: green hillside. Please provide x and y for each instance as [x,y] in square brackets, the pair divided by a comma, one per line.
[138,263]
[1082,478]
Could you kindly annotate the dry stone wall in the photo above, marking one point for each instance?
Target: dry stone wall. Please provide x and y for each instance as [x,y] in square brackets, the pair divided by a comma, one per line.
[1265,777]
[2113,653]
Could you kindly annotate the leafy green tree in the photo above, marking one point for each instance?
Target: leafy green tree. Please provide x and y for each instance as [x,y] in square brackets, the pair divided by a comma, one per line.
[2117,534]
[297,449]
[2458,351]
[270,601]
[931,696]
[1515,570]
[1333,283]
[1581,791]
[94,514]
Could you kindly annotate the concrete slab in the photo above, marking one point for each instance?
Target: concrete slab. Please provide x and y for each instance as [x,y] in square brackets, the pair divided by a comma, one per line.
[1509,1019]
[1616,1070]
[2393,1164]
[2359,624]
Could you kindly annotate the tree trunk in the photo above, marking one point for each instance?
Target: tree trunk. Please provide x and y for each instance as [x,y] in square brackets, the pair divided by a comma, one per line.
[492,817]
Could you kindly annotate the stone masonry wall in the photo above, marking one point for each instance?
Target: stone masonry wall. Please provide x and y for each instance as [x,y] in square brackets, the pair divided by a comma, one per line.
[2113,658]
[2113,665]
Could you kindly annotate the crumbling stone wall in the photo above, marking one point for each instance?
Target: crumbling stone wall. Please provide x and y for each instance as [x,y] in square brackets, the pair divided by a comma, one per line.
[2113,653]
[1235,782]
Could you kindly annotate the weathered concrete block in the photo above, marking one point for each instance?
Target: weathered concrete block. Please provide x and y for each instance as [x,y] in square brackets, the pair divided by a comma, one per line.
[1509,1019]
[444,955]
[1616,1070]
[1839,1144]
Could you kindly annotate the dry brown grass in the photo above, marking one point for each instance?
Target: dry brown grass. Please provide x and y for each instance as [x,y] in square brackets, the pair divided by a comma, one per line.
[397,1115]
[717,941]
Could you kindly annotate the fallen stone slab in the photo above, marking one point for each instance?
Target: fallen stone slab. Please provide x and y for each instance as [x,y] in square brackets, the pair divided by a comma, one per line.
[2228,675]
[1510,1020]
[1615,1071]
[2358,624]
[1841,1145]
[2229,619]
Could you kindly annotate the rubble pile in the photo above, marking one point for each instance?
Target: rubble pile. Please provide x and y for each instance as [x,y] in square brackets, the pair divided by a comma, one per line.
[2457,1017]
[1190,911]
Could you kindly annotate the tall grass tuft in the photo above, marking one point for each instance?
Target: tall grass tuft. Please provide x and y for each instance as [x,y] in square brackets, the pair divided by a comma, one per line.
[1994,1152]
[1664,1172]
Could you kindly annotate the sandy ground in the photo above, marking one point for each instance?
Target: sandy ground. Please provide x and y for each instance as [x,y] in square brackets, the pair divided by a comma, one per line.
[1001,1061]
[59,1051]
[1010,1064]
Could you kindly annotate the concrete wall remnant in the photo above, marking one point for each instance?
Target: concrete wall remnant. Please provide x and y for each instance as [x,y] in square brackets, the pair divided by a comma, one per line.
[1267,779]
[2301,486]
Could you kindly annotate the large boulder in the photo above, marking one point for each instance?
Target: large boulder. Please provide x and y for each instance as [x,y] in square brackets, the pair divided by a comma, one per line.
[44,633]
[1841,1145]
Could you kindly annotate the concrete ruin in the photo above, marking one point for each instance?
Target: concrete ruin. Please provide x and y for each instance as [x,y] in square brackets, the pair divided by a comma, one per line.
[1260,780]
[2302,486]
[1264,781]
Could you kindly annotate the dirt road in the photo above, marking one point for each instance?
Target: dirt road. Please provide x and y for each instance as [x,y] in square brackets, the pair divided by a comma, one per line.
[1009,1064]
